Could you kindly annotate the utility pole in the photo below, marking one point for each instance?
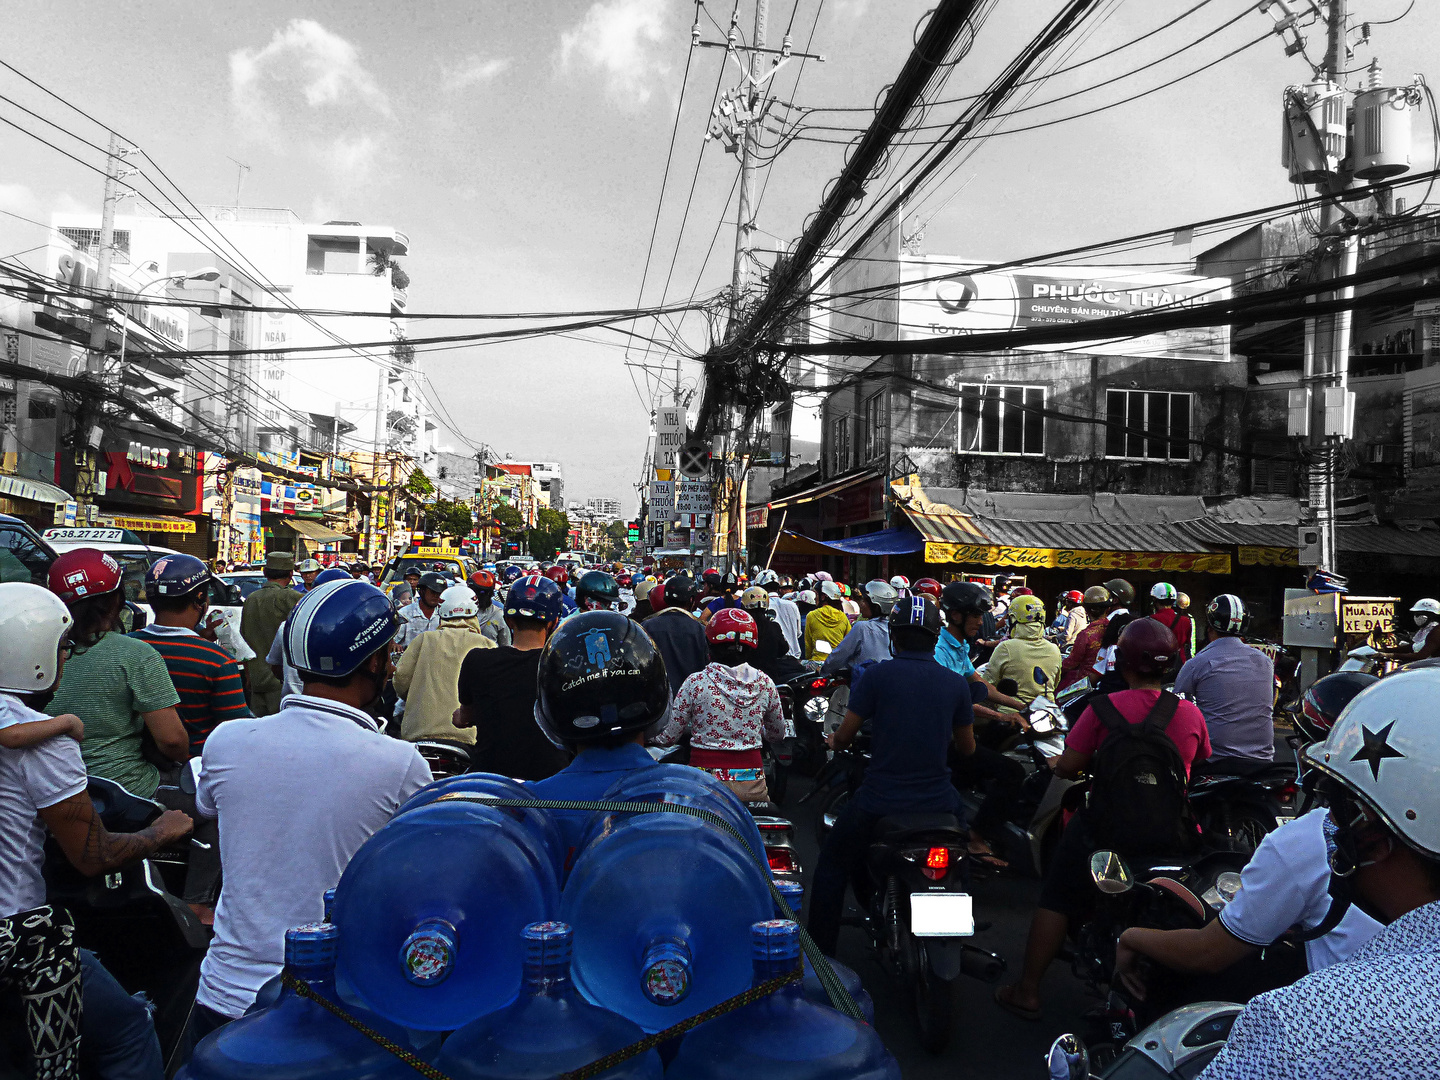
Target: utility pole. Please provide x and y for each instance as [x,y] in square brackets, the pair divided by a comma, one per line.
[380,390]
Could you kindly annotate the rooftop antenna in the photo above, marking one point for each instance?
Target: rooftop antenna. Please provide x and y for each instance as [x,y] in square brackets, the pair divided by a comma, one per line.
[239,179]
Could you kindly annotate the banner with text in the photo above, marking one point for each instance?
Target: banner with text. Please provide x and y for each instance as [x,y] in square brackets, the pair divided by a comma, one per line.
[1072,559]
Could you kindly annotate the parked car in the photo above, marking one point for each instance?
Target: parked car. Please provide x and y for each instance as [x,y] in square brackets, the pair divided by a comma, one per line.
[24,554]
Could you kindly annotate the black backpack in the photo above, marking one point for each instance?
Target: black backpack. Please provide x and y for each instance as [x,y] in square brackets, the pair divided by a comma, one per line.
[1138,800]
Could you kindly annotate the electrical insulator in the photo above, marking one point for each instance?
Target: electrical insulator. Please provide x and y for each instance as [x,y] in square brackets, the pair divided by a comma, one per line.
[785,46]
[1313,138]
[695,35]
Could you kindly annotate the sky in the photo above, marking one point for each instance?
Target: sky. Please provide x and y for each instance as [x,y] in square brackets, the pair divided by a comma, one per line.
[522,145]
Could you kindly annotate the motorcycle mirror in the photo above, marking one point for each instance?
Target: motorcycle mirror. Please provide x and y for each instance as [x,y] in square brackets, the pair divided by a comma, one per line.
[1068,1059]
[1110,874]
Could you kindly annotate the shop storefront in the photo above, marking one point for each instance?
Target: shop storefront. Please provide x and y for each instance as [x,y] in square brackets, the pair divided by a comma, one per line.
[830,512]
[33,500]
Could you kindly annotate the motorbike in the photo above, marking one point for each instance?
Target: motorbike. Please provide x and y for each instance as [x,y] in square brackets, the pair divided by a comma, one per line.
[837,781]
[807,699]
[919,914]
[445,759]
[133,918]
[1235,813]
[1179,1045]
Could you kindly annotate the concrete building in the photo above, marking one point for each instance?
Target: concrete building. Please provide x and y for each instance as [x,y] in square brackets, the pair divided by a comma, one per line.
[549,480]
[608,509]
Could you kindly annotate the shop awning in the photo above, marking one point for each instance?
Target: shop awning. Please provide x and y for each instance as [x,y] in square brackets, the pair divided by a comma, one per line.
[19,487]
[820,491]
[313,530]
[151,523]
[881,542]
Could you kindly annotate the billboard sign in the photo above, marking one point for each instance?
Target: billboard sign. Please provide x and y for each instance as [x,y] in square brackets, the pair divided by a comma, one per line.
[942,296]
[669,434]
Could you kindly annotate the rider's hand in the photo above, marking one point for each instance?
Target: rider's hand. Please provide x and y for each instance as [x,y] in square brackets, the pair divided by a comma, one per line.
[172,825]
[832,742]
[1127,962]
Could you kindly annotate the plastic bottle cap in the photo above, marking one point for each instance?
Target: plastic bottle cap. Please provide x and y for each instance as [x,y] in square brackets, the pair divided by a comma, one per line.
[428,954]
[314,945]
[329,905]
[775,941]
[548,948]
[665,972]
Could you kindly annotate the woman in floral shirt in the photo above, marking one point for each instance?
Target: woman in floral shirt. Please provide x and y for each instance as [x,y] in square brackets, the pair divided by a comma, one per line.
[727,708]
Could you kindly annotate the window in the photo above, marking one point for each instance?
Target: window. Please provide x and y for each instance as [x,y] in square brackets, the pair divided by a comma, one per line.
[874,431]
[1273,469]
[1147,424]
[40,409]
[997,419]
[88,241]
[21,558]
[839,444]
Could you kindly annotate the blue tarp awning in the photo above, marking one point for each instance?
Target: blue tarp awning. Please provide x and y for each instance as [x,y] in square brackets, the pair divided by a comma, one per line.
[883,542]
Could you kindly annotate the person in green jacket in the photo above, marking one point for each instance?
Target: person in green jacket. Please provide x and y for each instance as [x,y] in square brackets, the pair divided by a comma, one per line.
[827,625]
[1025,656]
[265,609]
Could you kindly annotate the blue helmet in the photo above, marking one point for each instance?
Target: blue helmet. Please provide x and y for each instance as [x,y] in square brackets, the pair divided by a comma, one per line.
[512,574]
[337,626]
[335,573]
[175,575]
[535,597]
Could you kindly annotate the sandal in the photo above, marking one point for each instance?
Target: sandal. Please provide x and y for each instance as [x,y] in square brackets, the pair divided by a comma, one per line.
[1005,998]
[984,856]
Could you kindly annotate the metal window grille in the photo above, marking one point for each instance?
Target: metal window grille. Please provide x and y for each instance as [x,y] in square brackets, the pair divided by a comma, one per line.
[1001,419]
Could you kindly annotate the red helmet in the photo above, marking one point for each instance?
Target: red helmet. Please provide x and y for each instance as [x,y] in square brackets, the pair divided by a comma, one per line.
[558,574]
[1146,647]
[482,580]
[1022,591]
[656,596]
[732,626]
[83,572]
[1074,596]
[927,586]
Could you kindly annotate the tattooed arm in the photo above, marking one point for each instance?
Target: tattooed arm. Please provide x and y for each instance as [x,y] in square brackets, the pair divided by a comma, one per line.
[92,849]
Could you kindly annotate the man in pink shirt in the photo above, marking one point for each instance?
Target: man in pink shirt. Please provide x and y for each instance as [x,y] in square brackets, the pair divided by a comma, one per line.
[1164,731]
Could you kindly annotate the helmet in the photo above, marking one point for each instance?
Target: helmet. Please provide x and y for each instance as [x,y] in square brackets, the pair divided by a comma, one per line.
[1096,596]
[882,594]
[1428,608]
[434,581]
[767,577]
[964,598]
[732,626]
[915,611]
[1163,593]
[899,582]
[337,626]
[511,574]
[754,598]
[1326,700]
[482,580]
[927,586]
[558,574]
[1182,601]
[82,572]
[625,580]
[806,596]
[534,597]
[829,591]
[1002,581]
[335,573]
[1227,615]
[712,578]
[643,589]
[33,623]
[1146,647]
[1023,590]
[678,592]
[596,589]
[305,566]
[458,602]
[600,675]
[1027,609]
[413,570]
[176,575]
[823,575]
[1383,750]
[1074,596]
[1121,591]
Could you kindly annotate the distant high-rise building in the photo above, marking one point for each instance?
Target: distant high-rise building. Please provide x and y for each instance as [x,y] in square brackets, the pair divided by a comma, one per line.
[606,508]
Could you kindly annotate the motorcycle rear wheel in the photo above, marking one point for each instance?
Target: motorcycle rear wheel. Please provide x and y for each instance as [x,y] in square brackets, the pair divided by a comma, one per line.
[934,1004]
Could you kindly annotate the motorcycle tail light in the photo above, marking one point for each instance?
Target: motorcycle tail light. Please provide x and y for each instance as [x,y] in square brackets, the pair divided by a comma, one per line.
[1287,794]
[817,684]
[938,858]
[782,861]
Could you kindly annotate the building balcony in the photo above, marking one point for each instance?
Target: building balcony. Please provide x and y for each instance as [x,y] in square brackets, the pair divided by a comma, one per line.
[398,299]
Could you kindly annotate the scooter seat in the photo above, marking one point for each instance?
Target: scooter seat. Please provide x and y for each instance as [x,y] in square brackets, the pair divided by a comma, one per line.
[119,809]
[898,826]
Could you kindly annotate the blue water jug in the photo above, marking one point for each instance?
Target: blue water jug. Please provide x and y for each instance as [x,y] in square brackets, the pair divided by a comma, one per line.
[688,787]
[662,906]
[549,1030]
[784,1035]
[270,992]
[431,908]
[794,894]
[539,822]
[298,1038]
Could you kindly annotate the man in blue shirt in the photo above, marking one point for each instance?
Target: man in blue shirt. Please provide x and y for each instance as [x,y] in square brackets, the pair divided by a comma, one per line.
[602,691]
[1234,687]
[965,606]
[916,710]
[868,641]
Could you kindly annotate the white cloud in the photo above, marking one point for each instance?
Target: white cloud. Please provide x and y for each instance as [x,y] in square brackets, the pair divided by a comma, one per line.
[352,158]
[617,39]
[324,68]
[851,9]
[473,70]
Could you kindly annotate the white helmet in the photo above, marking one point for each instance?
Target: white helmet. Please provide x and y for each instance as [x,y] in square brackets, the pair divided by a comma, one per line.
[900,583]
[829,590]
[882,594]
[823,575]
[33,623]
[458,602]
[1385,748]
[1428,608]
[806,596]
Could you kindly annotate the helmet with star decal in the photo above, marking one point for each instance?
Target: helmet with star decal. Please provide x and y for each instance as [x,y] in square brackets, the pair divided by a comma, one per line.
[1384,750]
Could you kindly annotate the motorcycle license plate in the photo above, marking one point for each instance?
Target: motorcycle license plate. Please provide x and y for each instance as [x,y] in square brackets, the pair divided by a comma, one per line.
[941,914]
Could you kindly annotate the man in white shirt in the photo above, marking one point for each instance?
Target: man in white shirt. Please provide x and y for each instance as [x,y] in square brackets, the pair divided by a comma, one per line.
[299,792]
[788,616]
[421,614]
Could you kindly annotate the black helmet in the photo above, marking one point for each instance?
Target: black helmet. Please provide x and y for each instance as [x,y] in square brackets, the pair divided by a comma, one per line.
[1326,700]
[680,592]
[596,589]
[435,582]
[600,675]
[965,598]
[914,611]
[1227,615]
